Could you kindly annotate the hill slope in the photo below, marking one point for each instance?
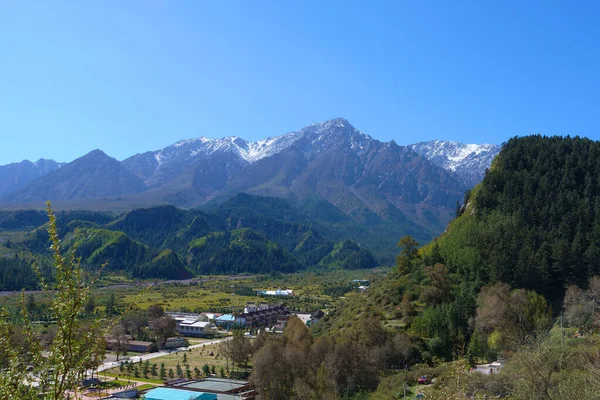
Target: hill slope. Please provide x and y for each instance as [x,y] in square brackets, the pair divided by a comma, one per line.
[534,221]
[244,234]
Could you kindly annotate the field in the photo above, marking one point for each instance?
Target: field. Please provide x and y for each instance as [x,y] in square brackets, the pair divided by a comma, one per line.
[187,297]
[312,291]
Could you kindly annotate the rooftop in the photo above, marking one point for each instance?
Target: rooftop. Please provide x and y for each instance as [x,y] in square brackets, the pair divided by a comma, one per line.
[177,394]
[200,324]
[216,385]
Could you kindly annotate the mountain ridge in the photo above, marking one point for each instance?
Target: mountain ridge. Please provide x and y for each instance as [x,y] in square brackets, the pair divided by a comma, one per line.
[94,175]
[467,160]
[16,176]
[369,180]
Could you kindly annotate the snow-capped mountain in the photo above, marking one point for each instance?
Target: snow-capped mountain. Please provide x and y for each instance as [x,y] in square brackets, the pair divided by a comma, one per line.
[158,167]
[362,176]
[412,188]
[467,161]
[317,135]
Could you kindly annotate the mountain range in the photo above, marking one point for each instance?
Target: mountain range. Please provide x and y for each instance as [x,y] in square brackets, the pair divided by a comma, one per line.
[415,186]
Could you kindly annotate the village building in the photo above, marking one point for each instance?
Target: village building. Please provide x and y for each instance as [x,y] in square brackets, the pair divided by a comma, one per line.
[174,343]
[488,369]
[304,317]
[277,292]
[196,328]
[193,325]
[224,389]
[226,321]
[211,316]
[263,315]
[127,344]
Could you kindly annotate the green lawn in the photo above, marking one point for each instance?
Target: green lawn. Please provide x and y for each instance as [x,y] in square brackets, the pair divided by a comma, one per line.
[195,358]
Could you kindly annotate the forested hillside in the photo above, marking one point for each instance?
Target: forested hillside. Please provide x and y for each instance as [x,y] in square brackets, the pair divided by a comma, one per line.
[534,221]
[241,234]
[523,250]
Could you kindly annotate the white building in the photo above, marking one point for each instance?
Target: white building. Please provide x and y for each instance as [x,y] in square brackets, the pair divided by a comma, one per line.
[278,292]
[488,369]
[304,317]
[193,324]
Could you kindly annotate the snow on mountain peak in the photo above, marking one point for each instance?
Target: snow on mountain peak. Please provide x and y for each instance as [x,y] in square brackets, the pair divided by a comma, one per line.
[465,159]
[254,151]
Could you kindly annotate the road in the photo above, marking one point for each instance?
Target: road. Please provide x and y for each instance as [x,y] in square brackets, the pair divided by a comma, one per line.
[161,353]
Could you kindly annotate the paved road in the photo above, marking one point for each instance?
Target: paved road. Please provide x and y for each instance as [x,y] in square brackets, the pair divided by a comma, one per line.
[149,356]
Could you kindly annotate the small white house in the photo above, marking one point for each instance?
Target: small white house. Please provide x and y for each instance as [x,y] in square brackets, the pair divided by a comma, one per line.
[488,369]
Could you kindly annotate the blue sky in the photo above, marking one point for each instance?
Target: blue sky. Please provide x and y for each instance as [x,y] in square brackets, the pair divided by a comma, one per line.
[132,76]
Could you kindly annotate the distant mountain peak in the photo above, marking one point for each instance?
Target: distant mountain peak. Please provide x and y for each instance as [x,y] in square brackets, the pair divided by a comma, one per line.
[467,160]
[96,153]
[44,162]
[16,176]
[92,176]
[335,122]
[184,152]
[201,139]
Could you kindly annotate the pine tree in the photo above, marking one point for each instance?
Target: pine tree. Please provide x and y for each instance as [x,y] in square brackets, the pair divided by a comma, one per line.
[475,349]
[110,305]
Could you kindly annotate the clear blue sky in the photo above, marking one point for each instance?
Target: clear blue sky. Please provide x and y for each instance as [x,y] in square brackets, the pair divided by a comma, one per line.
[131,76]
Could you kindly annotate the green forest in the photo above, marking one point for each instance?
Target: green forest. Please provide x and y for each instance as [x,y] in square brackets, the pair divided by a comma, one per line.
[534,221]
[242,234]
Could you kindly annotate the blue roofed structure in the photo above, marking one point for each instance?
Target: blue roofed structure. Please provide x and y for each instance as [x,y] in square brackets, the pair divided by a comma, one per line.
[177,394]
[226,320]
